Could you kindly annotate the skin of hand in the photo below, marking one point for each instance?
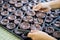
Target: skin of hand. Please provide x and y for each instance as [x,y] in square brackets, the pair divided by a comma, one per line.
[43,7]
[39,35]
[46,6]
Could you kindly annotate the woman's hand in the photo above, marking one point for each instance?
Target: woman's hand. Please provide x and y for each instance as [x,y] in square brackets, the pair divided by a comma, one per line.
[43,7]
[46,6]
[39,35]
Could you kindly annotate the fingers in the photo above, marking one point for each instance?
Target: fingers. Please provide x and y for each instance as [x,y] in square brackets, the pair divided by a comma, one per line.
[32,36]
[40,35]
[37,7]
[32,33]
[42,7]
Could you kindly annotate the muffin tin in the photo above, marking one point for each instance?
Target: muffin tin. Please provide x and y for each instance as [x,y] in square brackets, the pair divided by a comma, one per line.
[18,18]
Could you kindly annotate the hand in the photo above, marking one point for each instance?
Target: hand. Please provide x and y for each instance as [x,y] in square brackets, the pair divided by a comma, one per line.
[43,7]
[39,35]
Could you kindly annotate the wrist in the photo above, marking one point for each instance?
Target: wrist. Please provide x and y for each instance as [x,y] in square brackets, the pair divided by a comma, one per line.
[54,4]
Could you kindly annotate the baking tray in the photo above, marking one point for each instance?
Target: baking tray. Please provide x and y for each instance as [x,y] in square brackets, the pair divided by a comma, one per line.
[16,14]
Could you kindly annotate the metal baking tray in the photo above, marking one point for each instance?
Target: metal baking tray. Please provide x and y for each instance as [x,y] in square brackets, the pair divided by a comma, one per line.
[15,15]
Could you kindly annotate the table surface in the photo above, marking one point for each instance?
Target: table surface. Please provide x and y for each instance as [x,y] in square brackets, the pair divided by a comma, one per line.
[5,35]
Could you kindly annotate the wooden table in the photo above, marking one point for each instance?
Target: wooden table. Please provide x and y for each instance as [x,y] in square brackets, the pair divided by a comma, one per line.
[5,35]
